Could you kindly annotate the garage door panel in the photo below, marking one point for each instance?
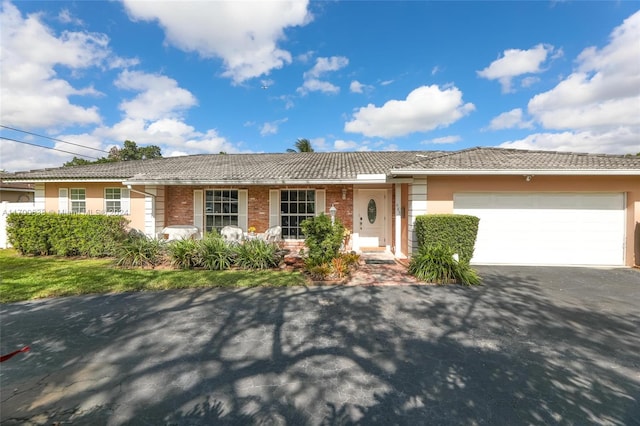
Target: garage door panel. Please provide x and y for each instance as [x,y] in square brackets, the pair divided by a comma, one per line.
[547,228]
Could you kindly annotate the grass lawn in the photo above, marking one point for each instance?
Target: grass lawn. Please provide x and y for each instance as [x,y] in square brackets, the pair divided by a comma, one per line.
[27,278]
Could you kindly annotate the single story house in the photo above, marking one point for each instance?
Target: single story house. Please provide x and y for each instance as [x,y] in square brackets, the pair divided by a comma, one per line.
[15,192]
[535,207]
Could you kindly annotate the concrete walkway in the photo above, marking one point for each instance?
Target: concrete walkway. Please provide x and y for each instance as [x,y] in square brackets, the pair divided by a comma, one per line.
[530,346]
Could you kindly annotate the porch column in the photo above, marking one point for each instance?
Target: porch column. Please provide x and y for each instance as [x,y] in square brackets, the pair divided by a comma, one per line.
[417,207]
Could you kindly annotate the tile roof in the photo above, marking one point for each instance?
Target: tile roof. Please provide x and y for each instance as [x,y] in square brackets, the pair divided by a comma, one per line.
[329,166]
[500,159]
[288,167]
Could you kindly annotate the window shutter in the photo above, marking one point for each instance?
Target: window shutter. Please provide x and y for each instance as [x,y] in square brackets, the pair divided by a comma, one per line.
[320,201]
[198,208]
[243,207]
[125,201]
[274,207]
[63,200]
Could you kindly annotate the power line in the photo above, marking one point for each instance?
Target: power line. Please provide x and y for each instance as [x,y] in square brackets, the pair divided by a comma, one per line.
[48,147]
[50,138]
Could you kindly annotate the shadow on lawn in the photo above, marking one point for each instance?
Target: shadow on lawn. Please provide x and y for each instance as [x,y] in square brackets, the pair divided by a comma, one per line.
[500,353]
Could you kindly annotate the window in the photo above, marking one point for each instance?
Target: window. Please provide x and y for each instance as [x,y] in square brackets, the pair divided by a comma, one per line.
[296,206]
[221,208]
[112,200]
[78,200]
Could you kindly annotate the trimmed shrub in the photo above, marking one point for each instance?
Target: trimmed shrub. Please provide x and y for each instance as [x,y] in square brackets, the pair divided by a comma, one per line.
[214,253]
[66,234]
[322,238]
[257,254]
[184,254]
[449,230]
[435,264]
[140,251]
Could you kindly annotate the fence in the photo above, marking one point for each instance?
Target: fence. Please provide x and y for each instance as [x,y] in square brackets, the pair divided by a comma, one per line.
[5,209]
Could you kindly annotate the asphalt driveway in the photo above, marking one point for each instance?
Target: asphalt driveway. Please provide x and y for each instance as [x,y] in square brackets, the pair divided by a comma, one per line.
[531,346]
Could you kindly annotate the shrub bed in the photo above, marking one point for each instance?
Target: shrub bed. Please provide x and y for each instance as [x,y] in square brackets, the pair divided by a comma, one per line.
[456,231]
[66,234]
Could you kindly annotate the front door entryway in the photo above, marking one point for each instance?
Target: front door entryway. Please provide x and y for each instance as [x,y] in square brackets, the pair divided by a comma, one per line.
[370,217]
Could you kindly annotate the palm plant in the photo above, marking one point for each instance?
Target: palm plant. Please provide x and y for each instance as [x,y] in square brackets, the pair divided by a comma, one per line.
[302,145]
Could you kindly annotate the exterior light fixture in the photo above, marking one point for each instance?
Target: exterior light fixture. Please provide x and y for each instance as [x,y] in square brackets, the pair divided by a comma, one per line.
[332,212]
[344,193]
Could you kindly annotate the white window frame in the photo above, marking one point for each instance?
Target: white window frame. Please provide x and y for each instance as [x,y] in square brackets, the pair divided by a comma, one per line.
[77,205]
[123,200]
[207,209]
[111,208]
[276,214]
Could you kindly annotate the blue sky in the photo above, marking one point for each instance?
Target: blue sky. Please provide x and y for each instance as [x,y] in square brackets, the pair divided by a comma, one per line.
[205,77]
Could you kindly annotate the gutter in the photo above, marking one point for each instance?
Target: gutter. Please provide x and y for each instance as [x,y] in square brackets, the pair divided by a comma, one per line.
[526,172]
[141,192]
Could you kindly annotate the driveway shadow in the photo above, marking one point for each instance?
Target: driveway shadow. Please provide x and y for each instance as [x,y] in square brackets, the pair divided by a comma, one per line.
[513,351]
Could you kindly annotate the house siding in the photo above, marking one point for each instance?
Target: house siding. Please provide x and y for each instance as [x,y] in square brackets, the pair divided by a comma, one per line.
[94,199]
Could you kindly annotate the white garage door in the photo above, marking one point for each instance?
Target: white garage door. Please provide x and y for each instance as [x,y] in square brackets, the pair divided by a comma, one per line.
[547,228]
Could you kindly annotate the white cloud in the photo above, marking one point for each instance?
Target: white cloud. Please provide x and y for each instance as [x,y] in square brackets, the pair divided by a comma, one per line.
[603,91]
[443,140]
[509,120]
[66,17]
[424,109]
[357,87]
[617,141]
[597,107]
[271,128]
[312,82]
[160,96]
[516,62]
[315,85]
[244,35]
[325,65]
[342,145]
[386,82]
[529,81]
[32,93]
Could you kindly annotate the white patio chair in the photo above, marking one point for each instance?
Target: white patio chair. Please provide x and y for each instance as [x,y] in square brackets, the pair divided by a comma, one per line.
[232,234]
[273,234]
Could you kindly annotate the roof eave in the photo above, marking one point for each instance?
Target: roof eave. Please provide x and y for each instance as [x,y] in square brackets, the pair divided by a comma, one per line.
[260,182]
[506,172]
[62,180]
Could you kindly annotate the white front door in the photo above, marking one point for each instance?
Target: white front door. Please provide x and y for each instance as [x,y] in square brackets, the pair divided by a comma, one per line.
[370,217]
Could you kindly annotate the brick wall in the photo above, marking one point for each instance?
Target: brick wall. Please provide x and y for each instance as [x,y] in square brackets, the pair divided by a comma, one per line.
[179,203]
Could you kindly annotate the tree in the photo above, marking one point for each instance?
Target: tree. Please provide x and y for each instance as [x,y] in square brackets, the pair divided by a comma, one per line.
[302,145]
[129,151]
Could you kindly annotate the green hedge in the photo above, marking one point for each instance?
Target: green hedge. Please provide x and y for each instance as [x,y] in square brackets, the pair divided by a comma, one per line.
[456,231]
[65,234]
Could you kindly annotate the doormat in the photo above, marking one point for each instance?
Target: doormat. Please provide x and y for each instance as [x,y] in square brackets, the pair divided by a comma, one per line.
[379,261]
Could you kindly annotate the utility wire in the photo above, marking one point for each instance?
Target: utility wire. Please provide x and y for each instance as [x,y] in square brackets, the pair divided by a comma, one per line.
[50,138]
[48,147]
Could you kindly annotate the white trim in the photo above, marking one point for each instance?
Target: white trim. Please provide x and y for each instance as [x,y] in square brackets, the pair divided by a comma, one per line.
[63,200]
[243,209]
[39,198]
[198,210]
[377,177]
[417,206]
[274,207]
[321,201]
[397,216]
[261,182]
[515,172]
